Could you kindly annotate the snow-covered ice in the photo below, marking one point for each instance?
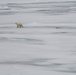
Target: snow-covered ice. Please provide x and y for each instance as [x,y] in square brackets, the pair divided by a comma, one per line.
[45,45]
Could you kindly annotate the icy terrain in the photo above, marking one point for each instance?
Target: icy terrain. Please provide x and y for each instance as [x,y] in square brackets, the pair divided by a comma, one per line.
[46,45]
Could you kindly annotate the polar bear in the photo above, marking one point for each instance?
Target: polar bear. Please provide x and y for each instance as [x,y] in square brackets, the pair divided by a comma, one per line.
[19,25]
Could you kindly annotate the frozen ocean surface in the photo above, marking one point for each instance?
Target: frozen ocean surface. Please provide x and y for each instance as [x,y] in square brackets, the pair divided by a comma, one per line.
[45,45]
